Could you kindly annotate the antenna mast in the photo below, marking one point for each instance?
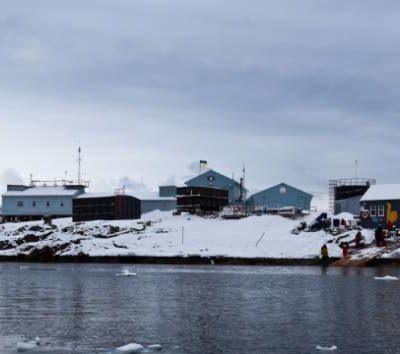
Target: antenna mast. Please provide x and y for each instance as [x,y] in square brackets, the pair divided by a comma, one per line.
[356,167]
[79,165]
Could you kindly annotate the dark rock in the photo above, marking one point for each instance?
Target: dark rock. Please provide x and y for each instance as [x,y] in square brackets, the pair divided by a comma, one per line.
[36,228]
[32,238]
[6,245]
[46,253]
[113,230]
[119,246]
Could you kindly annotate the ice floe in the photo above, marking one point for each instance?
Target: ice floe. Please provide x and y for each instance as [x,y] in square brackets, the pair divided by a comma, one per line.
[154,347]
[130,348]
[30,345]
[387,277]
[327,349]
[126,273]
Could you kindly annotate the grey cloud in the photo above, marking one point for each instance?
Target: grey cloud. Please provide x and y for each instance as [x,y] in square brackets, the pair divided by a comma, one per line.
[298,90]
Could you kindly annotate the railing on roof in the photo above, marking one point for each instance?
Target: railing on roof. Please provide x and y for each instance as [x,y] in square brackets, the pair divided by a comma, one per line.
[59,183]
[341,182]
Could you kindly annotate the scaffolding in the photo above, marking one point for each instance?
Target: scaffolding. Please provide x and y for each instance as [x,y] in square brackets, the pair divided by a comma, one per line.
[58,183]
[346,182]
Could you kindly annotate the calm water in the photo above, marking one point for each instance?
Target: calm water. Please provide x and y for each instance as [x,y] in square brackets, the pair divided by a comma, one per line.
[83,308]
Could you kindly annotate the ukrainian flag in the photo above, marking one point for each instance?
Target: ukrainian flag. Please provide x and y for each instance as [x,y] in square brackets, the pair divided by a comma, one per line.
[203,163]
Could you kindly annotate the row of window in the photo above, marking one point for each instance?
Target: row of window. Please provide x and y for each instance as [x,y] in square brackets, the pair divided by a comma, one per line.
[373,210]
[21,204]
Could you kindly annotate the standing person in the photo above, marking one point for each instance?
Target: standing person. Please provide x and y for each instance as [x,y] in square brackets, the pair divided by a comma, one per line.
[324,253]
[390,228]
[345,249]
[378,236]
[358,239]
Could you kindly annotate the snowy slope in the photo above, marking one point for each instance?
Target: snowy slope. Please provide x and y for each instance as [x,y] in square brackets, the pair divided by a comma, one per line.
[160,234]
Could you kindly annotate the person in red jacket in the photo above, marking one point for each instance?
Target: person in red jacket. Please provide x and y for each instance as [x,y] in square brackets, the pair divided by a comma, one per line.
[390,228]
[345,249]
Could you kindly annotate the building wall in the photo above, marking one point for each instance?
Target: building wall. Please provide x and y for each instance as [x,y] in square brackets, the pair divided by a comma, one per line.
[117,207]
[157,204]
[58,205]
[216,180]
[281,195]
[390,209]
[349,205]
[167,191]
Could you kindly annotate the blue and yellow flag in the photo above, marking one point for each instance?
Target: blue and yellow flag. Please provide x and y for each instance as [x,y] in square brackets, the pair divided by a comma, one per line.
[203,163]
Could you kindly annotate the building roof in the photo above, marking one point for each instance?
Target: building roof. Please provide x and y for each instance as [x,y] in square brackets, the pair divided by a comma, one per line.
[281,185]
[382,192]
[148,195]
[95,195]
[211,171]
[42,191]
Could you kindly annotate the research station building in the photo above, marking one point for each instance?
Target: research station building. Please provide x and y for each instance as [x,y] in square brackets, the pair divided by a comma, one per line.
[33,202]
[236,191]
[345,194]
[201,200]
[281,195]
[380,205]
[100,206]
[164,200]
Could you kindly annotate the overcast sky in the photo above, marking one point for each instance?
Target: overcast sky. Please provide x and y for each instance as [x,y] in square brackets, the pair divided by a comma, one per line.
[298,90]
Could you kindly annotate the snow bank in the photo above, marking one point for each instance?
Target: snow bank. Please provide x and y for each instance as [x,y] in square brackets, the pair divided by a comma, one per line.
[160,234]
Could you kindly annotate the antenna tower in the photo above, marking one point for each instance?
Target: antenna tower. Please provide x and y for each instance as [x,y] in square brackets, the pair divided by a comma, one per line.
[79,165]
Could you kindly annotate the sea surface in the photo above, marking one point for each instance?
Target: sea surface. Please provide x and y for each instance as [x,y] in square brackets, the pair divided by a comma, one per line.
[90,308]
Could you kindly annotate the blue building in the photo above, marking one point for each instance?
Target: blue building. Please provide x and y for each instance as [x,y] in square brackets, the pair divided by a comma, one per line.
[164,200]
[214,179]
[23,203]
[281,195]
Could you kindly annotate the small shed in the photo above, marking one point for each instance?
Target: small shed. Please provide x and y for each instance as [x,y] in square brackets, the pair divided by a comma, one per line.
[99,206]
[380,205]
[281,195]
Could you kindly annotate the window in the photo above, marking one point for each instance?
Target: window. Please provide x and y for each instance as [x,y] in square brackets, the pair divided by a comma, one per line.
[20,203]
[33,203]
[381,211]
[48,204]
[372,210]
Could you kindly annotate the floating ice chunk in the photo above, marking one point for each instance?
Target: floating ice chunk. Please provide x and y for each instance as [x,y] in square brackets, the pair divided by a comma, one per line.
[327,349]
[154,347]
[130,348]
[25,346]
[125,273]
[387,277]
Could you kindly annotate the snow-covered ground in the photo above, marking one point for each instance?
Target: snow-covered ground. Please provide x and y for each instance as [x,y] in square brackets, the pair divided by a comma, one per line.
[162,234]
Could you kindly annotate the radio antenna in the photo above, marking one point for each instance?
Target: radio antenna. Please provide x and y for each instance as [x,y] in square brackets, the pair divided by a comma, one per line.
[79,165]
